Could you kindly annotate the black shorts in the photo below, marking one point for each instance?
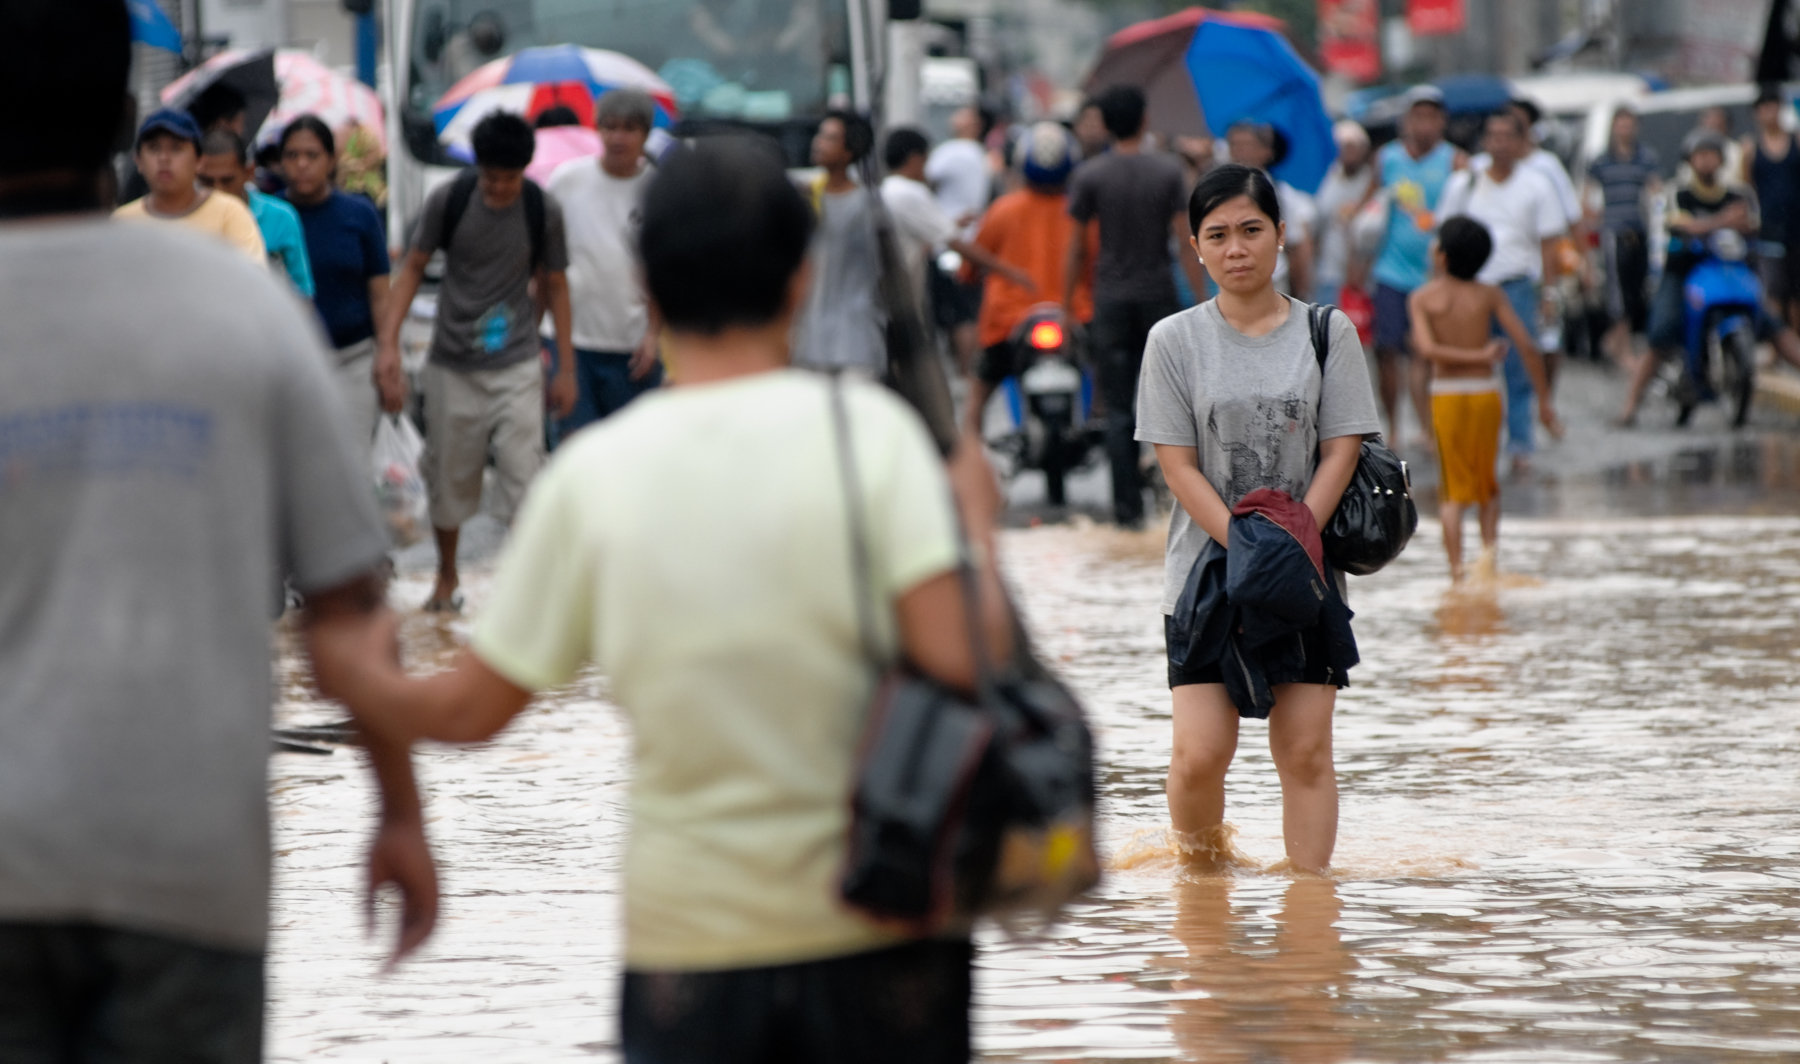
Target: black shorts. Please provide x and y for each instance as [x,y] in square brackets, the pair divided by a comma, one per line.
[1000,361]
[142,996]
[1316,670]
[1393,322]
[904,1005]
[953,303]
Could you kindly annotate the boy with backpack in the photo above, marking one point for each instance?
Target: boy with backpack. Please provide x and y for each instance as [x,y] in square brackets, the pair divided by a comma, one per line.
[484,382]
[1454,320]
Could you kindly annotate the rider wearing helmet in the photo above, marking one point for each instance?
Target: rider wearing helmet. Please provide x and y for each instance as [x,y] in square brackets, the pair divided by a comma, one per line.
[1702,206]
[1031,229]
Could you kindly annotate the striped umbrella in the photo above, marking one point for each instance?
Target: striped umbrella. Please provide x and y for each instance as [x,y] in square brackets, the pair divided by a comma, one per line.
[535,79]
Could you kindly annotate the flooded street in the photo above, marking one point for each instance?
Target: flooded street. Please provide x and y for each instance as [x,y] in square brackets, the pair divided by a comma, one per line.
[1569,831]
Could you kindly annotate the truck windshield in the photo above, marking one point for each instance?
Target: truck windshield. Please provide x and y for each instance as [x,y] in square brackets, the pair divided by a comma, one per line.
[753,61]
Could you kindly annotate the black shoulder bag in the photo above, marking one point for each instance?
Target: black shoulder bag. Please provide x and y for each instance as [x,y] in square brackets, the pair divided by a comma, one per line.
[1376,517]
[962,808]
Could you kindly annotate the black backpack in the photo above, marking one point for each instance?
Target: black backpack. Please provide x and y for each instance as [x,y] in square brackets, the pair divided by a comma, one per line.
[463,190]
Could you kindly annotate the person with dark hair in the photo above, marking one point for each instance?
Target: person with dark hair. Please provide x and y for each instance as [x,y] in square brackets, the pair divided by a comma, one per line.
[220,106]
[1625,177]
[1411,173]
[736,656]
[1089,128]
[612,330]
[1455,318]
[346,249]
[842,325]
[920,223]
[169,451]
[1522,214]
[1772,167]
[225,167]
[957,171]
[553,117]
[1541,160]
[168,155]
[1263,146]
[483,380]
[1235,399]
[1030,229]
[1136,197]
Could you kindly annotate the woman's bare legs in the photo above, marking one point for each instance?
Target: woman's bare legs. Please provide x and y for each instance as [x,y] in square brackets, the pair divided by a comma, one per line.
[1300,739]
[1206,734]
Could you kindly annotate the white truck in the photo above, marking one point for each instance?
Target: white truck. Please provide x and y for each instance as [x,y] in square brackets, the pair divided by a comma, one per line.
[770,65]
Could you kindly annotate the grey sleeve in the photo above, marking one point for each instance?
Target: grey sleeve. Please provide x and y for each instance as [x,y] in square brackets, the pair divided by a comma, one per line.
[430,236]
[1165,404]
[1346,400]
[1081,195]
[330,532]
[556,236]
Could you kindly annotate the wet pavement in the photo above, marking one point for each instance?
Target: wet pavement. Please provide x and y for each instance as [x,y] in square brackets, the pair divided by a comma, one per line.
[1569,827]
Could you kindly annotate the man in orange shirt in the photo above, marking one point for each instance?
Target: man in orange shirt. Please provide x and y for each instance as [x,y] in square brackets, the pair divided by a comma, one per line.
[1030,229]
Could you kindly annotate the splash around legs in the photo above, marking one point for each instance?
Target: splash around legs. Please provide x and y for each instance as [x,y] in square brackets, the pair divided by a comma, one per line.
[1205,741]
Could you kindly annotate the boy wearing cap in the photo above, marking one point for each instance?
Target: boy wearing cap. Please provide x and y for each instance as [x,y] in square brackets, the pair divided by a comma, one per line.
[167,153]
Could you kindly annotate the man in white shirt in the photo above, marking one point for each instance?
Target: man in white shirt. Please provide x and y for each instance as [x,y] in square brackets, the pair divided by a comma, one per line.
[919,220]
[615,341]
[1520,209]
[957,170]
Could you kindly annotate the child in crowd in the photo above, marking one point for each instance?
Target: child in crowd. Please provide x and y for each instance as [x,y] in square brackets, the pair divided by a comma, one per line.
[1454,319]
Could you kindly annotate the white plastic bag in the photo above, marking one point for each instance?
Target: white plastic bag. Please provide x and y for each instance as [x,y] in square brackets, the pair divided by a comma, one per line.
[399,486]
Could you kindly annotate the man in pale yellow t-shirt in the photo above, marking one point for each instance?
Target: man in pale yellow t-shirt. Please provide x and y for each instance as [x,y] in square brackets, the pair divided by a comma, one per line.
[696,548]
[168,155]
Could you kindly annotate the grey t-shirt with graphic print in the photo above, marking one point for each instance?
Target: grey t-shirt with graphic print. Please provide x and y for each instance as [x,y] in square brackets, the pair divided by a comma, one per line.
[484,312]
[1250,405]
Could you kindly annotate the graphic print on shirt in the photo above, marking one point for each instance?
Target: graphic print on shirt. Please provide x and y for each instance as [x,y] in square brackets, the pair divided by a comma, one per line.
[1253,443]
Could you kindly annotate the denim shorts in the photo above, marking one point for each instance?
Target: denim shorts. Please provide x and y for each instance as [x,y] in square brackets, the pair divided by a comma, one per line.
[96,995]
[908,1004]
[1393,322]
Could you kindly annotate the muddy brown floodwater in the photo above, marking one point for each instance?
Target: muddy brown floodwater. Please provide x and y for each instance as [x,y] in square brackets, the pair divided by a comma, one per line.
[1570,832]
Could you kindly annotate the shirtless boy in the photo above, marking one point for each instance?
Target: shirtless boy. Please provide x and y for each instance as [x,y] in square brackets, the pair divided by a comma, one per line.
[1454,319]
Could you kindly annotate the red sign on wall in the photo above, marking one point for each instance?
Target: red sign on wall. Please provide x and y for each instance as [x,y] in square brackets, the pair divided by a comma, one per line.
[1429,18]
[1349,38]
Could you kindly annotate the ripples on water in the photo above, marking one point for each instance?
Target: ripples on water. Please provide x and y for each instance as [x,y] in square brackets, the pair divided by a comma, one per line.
[1568,834]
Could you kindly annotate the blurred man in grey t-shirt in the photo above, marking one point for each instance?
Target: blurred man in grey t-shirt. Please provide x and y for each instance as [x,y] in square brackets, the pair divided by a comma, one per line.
[170,444]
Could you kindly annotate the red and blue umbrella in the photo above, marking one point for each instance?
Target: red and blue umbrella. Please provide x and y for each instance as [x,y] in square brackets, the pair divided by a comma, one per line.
[1243,72]
[535,79]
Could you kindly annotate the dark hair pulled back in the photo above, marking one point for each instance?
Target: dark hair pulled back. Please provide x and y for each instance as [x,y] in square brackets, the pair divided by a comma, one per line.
[310,124]
[1223,184]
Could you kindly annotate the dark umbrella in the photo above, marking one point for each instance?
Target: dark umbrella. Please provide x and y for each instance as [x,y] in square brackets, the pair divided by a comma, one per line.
[250,75]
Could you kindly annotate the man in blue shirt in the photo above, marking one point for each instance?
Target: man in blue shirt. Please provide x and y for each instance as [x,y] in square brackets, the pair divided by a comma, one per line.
[224,167]
[1411,172]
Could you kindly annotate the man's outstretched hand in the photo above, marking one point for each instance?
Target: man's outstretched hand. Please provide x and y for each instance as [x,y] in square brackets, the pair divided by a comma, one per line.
[400,856]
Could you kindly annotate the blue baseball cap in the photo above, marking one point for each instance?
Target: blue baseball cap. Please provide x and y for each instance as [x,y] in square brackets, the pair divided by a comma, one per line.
[169,120]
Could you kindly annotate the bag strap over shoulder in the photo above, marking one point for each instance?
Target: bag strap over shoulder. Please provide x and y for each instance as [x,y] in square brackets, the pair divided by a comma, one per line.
[462,193]
[1318,319]
[859,538]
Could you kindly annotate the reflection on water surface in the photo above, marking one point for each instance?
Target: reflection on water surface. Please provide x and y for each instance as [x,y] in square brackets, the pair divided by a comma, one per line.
[1571,832]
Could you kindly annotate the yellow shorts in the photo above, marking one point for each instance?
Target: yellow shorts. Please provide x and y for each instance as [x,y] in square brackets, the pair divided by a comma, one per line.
[1466,418]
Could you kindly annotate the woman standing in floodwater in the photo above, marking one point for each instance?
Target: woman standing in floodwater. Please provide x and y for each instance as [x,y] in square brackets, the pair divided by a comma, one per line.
[1233,398]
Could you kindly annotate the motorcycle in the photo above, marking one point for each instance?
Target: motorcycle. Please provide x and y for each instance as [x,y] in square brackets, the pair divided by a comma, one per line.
[1723,296]
[1050,404]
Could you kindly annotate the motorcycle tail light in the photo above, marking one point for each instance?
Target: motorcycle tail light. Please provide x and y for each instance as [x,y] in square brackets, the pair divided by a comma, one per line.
[1046,336]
